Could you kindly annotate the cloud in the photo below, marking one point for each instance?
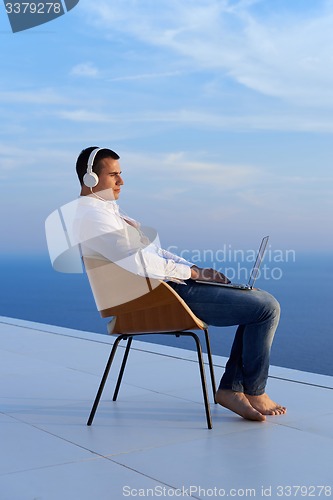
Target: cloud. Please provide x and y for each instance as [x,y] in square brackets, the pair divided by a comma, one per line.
[222,191]
[277,120]
[282,53]
[185,174]
[83,115]
[36,96]
[35,164]
[145,76]
[220,175]
[87,69]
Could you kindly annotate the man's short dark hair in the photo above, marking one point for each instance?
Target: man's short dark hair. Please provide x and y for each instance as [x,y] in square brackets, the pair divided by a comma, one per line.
[82,161]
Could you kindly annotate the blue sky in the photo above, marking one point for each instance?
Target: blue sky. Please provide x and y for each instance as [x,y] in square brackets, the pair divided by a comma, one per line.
[221,111]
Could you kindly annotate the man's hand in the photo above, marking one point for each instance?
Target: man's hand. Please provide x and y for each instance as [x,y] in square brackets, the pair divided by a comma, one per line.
[208,274]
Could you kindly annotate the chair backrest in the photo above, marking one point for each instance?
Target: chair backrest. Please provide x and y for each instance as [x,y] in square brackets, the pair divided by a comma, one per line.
[138,304]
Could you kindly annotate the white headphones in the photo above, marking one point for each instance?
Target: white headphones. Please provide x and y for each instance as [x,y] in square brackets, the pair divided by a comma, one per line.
[90,179]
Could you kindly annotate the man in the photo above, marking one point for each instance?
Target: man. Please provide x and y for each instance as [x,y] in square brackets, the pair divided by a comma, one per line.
[106,232]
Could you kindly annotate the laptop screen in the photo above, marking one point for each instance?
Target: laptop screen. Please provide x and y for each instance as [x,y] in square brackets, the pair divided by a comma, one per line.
[260,256]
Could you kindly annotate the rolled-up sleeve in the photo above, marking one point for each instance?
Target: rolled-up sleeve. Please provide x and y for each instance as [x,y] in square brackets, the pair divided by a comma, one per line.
[153,265]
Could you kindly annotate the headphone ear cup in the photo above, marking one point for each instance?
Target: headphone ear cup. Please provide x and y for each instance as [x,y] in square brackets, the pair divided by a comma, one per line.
[90,179]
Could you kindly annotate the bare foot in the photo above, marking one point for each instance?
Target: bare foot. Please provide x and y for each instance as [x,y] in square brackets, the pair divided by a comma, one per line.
[238,403]
[265,405]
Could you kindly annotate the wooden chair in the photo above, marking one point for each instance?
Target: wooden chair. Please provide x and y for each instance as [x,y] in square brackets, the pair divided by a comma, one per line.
[141,306]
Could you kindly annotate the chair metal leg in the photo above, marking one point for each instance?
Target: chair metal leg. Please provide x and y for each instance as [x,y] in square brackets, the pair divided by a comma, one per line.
[210,361]
[104,378]
[203,379]
[122,368]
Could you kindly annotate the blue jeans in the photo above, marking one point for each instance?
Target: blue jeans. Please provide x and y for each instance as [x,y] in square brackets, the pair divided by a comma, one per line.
[256,312]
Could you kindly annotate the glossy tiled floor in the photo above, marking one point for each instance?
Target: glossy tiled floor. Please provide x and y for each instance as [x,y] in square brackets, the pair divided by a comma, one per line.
[152,442]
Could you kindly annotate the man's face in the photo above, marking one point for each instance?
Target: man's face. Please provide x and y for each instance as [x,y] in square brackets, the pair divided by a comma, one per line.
[110,180]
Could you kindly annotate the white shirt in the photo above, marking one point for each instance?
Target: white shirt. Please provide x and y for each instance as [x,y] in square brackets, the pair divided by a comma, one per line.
[103,231]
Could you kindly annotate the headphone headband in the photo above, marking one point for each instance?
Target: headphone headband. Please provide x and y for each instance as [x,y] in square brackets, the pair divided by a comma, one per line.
[90,179]
[91,159]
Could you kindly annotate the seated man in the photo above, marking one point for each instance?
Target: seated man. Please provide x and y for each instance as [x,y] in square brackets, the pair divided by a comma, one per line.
[106,232]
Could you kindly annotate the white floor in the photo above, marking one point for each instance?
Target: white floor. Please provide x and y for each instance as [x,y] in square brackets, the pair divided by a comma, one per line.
[153,442]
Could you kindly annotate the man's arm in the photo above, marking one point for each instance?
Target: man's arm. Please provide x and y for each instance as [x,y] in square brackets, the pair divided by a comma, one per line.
[208,274]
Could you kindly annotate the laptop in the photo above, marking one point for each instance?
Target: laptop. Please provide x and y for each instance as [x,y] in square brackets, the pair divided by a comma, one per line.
[253,275]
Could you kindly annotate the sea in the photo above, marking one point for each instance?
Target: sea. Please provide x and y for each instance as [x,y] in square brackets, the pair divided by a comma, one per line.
[33,291]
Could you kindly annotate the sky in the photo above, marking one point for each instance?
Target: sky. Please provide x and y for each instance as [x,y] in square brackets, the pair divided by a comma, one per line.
[221,112]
